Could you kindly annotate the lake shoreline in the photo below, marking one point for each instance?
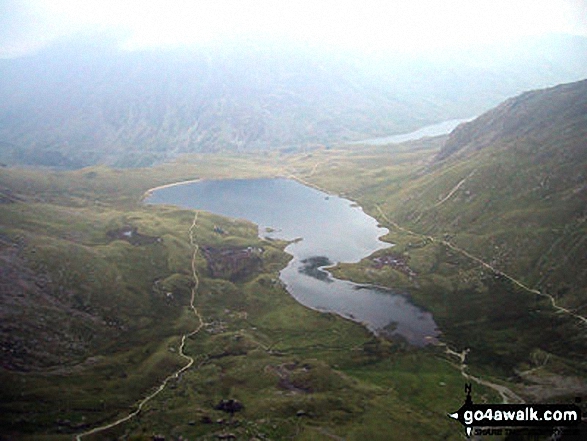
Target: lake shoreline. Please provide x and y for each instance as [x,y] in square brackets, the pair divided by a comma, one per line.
[150,191]
[332,227]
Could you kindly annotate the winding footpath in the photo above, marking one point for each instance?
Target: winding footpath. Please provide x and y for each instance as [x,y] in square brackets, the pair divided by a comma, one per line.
[507,395]
[189,360]
[552,300]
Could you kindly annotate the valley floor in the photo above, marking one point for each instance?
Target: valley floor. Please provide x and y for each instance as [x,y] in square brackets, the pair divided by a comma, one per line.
[131,340]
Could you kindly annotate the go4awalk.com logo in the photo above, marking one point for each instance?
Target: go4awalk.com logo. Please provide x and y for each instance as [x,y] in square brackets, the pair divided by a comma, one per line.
[515,415]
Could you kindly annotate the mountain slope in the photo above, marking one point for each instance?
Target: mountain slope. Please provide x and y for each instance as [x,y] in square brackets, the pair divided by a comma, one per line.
[491,236]
[545,116]
[96,296]
[75,106]
[511,188]
[516,199]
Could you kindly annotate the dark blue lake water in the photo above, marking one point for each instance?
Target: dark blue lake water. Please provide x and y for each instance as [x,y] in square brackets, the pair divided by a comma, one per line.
[331,229]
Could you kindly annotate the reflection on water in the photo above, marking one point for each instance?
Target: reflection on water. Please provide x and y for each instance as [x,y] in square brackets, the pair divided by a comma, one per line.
[312,266]
[332,229]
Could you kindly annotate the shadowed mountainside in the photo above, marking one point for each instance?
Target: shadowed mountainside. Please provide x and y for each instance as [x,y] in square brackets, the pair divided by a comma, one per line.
[75,106]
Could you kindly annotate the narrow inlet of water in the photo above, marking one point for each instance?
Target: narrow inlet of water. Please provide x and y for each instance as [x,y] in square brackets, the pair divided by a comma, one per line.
[438,129]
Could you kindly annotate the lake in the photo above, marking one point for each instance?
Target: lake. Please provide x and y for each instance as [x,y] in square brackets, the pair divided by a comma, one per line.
[330,229]
[438,129]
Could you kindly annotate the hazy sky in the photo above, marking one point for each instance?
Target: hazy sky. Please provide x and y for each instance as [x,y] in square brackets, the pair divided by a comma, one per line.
[29,25]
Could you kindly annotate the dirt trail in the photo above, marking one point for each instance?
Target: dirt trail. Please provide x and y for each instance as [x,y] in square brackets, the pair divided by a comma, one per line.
[552,300]
[190,360]
[507,395]
[454,190]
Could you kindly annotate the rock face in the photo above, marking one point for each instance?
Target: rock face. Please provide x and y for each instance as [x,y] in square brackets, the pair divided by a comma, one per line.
[132,236]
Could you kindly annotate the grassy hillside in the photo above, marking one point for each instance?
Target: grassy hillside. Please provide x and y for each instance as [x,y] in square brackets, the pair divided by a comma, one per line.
[511,188]
[92,318]
[489,234]
[96,287]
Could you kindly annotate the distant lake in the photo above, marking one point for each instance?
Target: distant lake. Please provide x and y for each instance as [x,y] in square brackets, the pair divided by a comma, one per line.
[331,229]
[442,128]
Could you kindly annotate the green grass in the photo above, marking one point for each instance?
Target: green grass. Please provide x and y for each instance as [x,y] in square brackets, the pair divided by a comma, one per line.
[300,374]
[256,327]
